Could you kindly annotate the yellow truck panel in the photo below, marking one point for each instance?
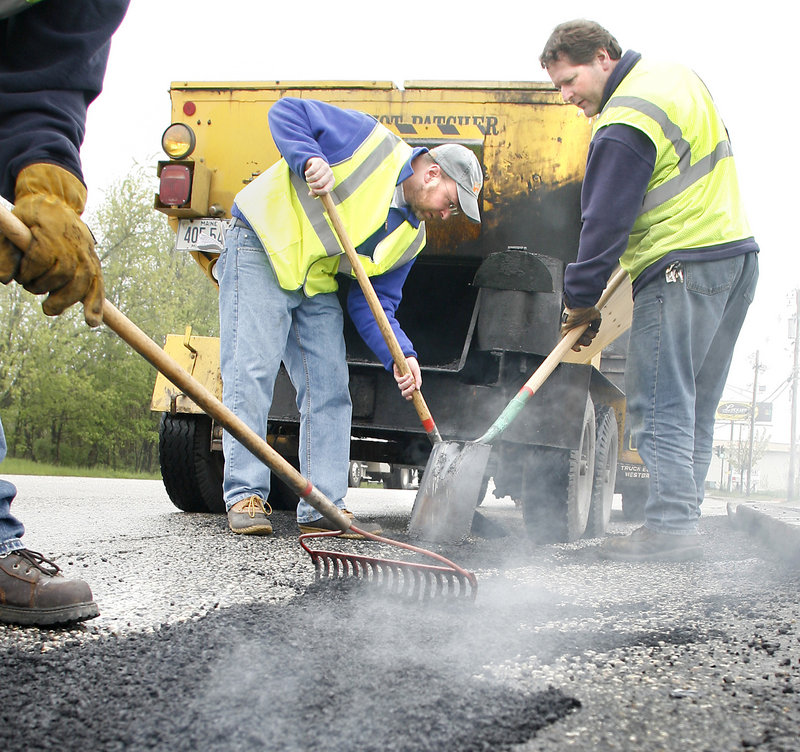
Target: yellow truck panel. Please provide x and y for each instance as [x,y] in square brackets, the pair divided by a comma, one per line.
[482,302]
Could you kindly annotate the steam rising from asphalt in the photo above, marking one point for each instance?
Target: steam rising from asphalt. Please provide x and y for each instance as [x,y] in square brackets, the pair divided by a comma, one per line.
[359,670]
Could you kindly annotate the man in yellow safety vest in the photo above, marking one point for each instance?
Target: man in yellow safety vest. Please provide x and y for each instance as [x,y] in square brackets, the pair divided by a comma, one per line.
[277,278]
[661,197]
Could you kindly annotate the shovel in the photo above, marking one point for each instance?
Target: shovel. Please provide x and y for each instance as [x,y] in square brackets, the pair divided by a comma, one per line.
[448,490]
[380,317]
[405,577]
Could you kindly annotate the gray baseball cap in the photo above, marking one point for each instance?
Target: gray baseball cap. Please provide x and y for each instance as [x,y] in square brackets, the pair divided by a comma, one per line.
[463,166]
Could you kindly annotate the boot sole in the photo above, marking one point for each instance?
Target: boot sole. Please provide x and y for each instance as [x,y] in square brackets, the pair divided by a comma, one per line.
[348,535]
[252,530]
[44,617]
[689,554]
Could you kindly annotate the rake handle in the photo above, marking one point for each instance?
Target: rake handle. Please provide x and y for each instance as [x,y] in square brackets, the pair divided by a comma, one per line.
[542,373]
[16,231]
[380,317]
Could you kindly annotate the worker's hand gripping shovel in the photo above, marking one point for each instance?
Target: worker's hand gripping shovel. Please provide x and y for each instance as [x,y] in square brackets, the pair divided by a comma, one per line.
[403,577]
[448,490]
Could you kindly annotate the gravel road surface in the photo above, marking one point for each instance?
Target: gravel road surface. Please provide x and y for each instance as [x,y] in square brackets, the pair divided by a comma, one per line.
[210,641]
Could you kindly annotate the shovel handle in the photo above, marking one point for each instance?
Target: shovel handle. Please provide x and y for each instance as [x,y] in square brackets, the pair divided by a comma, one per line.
[20,235]
[380,317]
[542,373]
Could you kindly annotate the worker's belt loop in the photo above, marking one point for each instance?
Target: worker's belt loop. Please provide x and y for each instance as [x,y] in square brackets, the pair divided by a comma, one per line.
[239,222]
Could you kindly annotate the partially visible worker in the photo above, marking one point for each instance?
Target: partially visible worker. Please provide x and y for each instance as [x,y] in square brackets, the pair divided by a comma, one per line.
[661,197]
[277,277]
[53,56]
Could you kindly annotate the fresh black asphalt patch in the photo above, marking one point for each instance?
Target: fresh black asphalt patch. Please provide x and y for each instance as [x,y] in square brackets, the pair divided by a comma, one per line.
[333,670]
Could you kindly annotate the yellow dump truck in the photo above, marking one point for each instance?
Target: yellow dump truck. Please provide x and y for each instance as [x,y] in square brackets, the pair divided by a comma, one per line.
[482,303]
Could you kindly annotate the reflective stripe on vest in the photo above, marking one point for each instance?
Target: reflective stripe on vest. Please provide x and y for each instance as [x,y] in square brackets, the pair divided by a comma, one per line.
[300,242]
[693,198]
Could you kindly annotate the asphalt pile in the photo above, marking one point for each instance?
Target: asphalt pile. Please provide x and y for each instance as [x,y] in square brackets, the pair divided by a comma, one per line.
[344,671]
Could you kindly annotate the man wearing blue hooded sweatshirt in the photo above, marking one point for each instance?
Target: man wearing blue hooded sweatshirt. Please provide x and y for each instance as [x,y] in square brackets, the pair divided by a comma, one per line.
[277,276]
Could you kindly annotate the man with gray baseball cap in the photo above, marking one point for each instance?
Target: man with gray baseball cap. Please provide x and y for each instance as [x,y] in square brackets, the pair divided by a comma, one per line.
[462,165]
[387,190]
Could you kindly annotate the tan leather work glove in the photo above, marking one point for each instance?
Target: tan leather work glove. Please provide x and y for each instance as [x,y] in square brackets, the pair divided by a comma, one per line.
[572,318]
[61,259]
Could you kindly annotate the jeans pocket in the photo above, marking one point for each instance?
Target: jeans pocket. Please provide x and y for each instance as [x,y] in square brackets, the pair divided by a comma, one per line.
[712,277]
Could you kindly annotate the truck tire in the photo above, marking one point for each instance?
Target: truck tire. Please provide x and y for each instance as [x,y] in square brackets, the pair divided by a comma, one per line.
[633,504]
[394,480]
[557,488]
[355,475]
[191,472]
[606,452]
[401,478]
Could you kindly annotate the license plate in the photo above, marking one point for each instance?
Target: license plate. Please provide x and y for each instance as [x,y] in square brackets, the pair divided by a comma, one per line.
[201,235]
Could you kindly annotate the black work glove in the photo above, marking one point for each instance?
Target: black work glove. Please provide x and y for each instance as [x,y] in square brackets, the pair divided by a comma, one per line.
[572,318]
[61,259]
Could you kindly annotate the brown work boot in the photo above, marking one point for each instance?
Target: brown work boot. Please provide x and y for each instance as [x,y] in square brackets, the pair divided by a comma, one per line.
[33,592]
[324,525]
[249,517]
[647,545]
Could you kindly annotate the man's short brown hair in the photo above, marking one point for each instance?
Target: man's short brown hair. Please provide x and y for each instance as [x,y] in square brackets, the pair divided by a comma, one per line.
[579,41]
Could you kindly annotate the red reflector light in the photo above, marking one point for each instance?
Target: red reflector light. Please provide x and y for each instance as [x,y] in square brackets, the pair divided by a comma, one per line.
[189,108]
[176,185]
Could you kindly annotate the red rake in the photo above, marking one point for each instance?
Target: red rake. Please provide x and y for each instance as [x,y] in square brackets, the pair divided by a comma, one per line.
[385,571]
[408,579]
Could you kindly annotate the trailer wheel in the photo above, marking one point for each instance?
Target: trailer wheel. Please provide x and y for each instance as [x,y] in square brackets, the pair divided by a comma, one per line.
[606,451]
[401,478]
[633,505]
[191,472]
[557,488]
[355,475]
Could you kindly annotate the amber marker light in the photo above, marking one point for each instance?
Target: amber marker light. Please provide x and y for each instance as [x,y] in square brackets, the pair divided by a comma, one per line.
[178,141]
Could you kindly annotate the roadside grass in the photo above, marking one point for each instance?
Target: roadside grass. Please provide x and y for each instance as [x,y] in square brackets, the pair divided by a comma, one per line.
[14,466]
[754,496]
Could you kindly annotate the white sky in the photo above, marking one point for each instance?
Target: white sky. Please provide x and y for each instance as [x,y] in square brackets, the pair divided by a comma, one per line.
[745,57]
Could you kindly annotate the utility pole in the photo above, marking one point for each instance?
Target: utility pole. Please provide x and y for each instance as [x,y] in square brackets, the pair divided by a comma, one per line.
[752,425]
[791,492]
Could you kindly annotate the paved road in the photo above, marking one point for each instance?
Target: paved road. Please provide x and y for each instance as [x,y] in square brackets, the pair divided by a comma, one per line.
[208,641]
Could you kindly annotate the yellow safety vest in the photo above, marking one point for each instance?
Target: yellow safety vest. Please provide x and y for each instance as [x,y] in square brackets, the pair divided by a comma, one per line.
[693,198]
[301,243]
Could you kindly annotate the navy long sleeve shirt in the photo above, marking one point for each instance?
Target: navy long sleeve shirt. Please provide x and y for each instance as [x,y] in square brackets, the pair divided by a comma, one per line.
[53,59]
[619,167]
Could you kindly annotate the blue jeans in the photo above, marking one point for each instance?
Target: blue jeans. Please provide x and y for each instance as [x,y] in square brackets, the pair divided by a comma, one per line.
[11,528]
[261,325]
[682,339]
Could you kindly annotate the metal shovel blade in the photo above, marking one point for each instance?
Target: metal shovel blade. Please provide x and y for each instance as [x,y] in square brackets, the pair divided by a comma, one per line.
[447,495]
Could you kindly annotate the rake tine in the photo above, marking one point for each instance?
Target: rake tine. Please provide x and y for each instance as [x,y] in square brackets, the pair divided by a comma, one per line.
[397,579]
[419,584]
[452,585]
[410,589]
[427,586]
[412,584]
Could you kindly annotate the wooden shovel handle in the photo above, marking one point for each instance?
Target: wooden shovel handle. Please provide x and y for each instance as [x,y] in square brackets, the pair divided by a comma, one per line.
[20,235]
[380,317]
[542,373]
